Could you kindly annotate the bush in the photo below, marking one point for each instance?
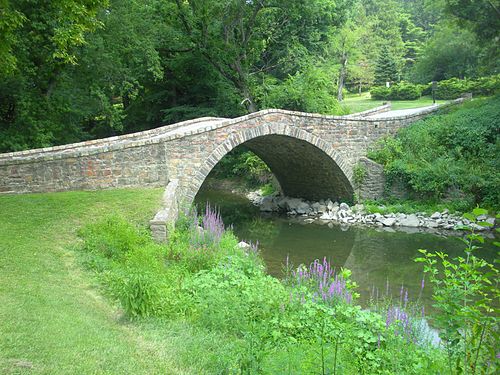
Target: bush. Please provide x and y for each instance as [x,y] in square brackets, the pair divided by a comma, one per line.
[380,93]
[453,153]
[399,91]
[405,91]
[454,88]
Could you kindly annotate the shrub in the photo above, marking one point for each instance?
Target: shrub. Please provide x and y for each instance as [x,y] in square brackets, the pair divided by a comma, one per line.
[399,91]
[380,93]
[113,237]
[448,155]
[454,88]
[405,91]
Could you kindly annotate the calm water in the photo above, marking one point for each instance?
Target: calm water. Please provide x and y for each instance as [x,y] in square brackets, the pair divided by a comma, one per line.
[375,257]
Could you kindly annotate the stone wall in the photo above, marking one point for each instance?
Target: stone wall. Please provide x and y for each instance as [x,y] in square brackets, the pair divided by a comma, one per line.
[374,183]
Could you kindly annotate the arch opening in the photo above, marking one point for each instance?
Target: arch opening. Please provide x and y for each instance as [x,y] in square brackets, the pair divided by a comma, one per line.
[302,169]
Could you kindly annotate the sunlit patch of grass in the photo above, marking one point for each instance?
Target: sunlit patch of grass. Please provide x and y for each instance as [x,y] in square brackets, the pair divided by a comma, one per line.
[52,320]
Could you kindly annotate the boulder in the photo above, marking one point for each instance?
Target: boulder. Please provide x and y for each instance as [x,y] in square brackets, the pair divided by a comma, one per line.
[388,222]
[344,207]
[431,224]
[436,215]
[268,204]
[410,221]
[303,208]
[292,203]
[358,208]
[325,216]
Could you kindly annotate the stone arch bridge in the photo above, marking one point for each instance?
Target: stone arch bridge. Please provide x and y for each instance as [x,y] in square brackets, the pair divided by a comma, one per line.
[311,155]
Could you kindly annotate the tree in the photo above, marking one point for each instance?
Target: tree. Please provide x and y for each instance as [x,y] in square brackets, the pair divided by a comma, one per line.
[386,69]
[346,49]
[242,39]
[459,59]
[480,16]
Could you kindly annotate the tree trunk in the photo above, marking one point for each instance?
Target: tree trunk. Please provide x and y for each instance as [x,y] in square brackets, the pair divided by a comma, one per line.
[342,73]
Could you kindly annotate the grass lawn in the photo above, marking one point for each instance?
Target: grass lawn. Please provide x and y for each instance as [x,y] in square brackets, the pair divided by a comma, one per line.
[52,318]
[360,103]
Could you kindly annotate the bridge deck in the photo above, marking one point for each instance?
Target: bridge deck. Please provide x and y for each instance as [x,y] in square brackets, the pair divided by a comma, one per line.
[401,112]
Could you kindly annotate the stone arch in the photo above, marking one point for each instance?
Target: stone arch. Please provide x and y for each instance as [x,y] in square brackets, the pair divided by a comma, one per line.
[331,172]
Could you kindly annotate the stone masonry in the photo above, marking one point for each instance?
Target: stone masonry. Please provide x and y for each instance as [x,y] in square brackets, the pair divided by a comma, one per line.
[312,156]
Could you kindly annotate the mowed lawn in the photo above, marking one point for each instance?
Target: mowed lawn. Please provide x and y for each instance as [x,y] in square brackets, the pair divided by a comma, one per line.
[359,103]
[53,319]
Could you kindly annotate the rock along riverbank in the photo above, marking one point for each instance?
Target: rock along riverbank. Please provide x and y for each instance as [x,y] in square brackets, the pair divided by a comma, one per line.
[327,211]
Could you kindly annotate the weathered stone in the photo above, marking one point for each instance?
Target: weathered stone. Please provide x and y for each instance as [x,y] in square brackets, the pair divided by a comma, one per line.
[410,221]
[436,215]
[268,204]
[344,206]
[388,222]
[303,208]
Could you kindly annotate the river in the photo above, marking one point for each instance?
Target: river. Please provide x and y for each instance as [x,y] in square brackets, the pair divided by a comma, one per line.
[377,258]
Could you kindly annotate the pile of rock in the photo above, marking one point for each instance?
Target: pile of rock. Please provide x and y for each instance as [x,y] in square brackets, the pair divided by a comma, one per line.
[329,211]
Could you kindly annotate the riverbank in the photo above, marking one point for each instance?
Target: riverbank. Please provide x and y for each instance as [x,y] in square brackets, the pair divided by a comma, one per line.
[327,211]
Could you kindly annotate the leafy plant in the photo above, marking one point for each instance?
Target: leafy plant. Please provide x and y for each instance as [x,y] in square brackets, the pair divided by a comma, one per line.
[466,298]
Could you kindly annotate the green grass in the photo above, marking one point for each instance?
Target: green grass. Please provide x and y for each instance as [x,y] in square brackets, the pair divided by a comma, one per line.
[359,103]
[52,318]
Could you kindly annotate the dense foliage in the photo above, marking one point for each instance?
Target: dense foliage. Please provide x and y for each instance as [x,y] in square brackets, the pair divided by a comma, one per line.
[73,70]
[452,155]
[399,91]
[307,323]
[466,296]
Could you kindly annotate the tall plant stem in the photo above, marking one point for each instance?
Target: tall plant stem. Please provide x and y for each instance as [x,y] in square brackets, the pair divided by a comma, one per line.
[335,355]
[483,330]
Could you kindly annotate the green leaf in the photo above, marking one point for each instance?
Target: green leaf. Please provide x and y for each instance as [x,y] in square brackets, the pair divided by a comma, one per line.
[484,224]
[479,211]
[469,216]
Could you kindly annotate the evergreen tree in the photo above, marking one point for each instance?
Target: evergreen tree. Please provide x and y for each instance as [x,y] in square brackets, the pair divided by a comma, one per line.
[386,69]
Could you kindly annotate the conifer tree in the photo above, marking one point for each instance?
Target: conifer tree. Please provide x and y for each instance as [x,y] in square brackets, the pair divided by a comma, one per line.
[386,69]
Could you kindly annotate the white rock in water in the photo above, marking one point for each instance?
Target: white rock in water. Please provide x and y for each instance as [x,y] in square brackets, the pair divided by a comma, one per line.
[243,245]
[389,222]
[436,215]
[431,224]
[325,216]
[329,204]
[410,221]
[344,206]
[318,207]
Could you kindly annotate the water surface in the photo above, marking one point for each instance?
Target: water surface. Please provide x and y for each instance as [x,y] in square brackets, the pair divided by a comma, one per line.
[377,258]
